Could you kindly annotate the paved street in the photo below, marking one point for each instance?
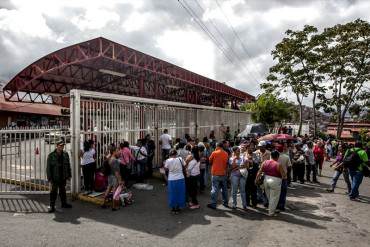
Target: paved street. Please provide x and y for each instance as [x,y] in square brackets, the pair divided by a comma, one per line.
[314,218]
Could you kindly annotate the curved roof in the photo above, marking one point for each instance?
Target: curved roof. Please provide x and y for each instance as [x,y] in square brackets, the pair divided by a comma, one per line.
[103,65]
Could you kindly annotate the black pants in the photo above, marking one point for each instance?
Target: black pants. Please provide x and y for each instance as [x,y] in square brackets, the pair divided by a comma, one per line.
[54,193]
[309,169]
[251,190]
[193,189]
[89,175]
[298,172]
[125,173]
[149,171]
[201,179]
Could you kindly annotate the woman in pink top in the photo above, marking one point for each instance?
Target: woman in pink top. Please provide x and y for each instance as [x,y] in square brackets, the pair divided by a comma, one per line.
[125,158]
[274,172]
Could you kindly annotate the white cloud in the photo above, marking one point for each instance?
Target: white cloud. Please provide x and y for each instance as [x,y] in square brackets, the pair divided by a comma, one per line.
[95,18]
[189,49]
[135,22]
[162,28]
[23,22]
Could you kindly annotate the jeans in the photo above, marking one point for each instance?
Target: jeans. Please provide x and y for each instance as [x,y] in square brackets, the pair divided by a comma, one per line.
[283,194]
[289,174]
[140,169]
[219,182]
[346,179]
[272,189]
[356,177]
[238,182]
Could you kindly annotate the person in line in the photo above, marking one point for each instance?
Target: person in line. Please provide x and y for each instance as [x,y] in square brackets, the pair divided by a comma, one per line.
[239,172]
[218,161]
[298,163]
[203,166]
[114,177]
[88,166]
[251,188]
[176,182]
[319,154]
[262,154]
[126,158]
[150,147]
[285,162]
[58,171]
[141,160]
[193,170]
[310,163]
[338,170]
[184,150]
[274,172]
[165,140]
[356,170]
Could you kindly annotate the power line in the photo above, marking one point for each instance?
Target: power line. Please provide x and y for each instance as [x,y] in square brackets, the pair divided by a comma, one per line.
[237,36]
[218,44]
[206,30]
[227,43]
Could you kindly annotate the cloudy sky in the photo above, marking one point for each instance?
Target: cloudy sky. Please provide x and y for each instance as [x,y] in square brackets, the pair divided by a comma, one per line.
[245,30]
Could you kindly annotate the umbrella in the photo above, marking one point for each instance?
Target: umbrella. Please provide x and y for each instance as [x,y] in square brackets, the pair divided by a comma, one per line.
[282,137]
[276,137]
[268,137]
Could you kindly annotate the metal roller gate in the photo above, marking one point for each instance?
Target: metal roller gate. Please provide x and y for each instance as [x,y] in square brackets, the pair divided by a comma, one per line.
[110,119]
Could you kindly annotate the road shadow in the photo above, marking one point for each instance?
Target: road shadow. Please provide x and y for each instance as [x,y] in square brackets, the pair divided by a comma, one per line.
[150,213]
[17,204]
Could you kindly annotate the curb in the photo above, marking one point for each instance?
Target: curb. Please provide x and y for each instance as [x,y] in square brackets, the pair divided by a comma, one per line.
[94,200]
[25,184]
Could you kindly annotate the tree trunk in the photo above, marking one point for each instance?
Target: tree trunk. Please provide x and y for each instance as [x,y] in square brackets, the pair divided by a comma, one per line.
[300,115]
[314,114]
[339,121]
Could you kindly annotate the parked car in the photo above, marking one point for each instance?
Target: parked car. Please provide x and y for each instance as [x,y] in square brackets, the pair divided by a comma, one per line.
[253,130]
[54,136]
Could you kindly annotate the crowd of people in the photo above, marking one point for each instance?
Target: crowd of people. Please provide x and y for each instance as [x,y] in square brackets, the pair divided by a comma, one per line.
[259,171]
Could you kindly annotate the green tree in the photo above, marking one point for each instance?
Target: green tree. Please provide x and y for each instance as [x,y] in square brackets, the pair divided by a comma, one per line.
[297,68]
[268,109]
[345,62]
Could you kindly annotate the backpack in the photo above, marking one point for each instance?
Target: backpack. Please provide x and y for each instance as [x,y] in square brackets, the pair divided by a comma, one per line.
[352,160]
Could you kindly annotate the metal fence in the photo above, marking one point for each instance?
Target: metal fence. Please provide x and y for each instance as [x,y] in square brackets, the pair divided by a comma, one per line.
[110,119]
[106,119]
[23,157]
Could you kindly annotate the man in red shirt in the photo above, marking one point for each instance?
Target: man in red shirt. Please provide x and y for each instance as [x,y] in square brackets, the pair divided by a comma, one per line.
[318,152]
[218,161]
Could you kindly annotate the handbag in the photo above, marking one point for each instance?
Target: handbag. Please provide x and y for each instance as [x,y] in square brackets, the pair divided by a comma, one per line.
[183,169]
[260,179]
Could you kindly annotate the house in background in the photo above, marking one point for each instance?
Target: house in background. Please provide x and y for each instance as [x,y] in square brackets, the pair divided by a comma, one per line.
[351,130]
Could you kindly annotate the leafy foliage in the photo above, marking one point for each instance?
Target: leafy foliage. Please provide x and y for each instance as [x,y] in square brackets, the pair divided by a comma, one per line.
[269,109]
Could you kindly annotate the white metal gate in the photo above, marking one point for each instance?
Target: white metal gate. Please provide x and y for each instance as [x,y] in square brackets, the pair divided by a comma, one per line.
[23,157]
[110,119]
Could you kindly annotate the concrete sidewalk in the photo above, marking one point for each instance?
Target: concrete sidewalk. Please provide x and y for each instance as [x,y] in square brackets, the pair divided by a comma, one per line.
[314,218]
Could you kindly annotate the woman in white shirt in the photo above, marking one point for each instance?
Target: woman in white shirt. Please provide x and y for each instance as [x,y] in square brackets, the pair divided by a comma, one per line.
[176,182]
[88,166]
[193,173]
